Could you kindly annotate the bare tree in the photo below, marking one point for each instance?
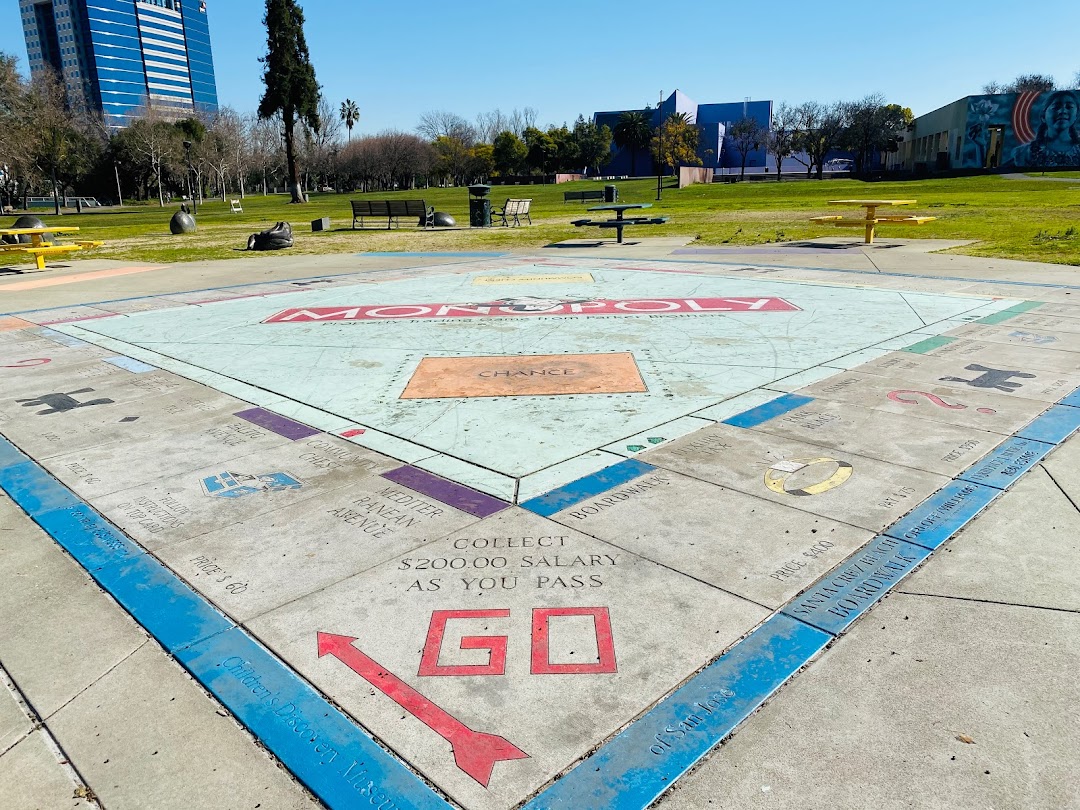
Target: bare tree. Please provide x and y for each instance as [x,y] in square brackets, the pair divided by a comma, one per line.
[747,135]
[157,141]
[820,127]
[265,139]
[520,120]
[490,124]
[224,139]
[443,124]
[16,133]
[781,136]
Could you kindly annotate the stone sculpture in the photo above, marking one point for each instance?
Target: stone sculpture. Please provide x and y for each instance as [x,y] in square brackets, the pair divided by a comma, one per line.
[182,221]
[276,238]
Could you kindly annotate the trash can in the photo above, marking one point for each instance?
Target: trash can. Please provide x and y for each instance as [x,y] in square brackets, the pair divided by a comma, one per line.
[611,194]
[479,206]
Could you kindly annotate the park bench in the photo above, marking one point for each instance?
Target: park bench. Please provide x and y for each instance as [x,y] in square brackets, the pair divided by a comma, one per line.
[512,210]
[582,196]
[392,210]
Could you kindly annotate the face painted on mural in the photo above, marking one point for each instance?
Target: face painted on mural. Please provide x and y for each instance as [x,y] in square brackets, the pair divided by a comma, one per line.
[1060,115]
[1057,139]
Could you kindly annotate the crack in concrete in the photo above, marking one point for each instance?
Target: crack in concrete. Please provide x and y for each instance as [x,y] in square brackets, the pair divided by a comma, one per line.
[989,601]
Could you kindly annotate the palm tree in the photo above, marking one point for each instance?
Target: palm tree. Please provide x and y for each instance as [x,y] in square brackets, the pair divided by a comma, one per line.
[633,131]
[350,114]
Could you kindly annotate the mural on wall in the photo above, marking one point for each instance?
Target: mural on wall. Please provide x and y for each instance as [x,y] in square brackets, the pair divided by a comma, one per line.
[1023,130]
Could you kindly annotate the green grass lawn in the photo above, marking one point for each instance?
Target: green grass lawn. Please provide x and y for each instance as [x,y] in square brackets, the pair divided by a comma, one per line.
[1016,219]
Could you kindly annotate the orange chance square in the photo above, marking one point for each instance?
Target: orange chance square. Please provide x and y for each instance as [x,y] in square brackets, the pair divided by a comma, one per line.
[533,375]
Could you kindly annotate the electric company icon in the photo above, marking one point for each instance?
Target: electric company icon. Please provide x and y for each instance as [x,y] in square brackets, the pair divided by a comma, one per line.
[525,306]
[237,485]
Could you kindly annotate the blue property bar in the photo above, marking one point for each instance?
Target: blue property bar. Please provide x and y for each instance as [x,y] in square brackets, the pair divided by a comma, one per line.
[577,491]
[855,585]
[1054,426]
[770,410]
[644,760]
[131,364]
[1072,399]
[1008,462]
[943,514]
[337,761]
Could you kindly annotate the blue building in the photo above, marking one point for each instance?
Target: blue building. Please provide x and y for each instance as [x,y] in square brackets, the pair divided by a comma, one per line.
[713,121]
[120,56]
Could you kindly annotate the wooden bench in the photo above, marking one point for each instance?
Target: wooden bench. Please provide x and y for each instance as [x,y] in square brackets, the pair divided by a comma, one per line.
[582,196]
[512,210]
[392,210]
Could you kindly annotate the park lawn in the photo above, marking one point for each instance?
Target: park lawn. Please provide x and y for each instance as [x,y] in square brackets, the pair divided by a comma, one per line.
[1017,219]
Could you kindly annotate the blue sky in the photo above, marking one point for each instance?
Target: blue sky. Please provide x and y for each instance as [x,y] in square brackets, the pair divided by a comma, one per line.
[566,57]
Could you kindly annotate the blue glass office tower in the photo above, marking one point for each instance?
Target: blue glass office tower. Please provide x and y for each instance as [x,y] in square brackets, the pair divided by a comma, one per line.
[119,56]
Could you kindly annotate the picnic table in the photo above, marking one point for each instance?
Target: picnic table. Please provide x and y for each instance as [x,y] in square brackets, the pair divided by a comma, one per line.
[620,220]
[38,247]
[872,218]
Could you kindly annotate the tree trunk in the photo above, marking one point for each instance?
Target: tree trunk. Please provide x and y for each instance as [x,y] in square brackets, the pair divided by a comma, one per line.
[742,168]
[293,169]
[56,199]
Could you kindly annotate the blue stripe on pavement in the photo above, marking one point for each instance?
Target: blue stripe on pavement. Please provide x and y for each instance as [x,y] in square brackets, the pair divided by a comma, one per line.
[645,759]
[1011,459]
[583,488]
[336,759]
[1053,426]
[853,587]
[770,410]
[943,514]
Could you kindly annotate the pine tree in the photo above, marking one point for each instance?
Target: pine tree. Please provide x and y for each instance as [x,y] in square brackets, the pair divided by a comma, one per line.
[291,89]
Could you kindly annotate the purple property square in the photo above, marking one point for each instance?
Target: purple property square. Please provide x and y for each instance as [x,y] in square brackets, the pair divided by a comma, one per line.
[455,495]
[278,424]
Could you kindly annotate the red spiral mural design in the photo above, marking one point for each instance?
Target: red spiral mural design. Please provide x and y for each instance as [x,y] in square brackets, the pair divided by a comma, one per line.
[1021,118]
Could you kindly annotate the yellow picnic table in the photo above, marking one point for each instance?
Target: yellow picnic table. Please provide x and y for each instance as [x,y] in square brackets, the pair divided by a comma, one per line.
[38,247]
[872,218]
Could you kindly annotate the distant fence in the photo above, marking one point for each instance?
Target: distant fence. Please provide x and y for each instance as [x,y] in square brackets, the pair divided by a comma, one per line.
[67,202]
[688,175]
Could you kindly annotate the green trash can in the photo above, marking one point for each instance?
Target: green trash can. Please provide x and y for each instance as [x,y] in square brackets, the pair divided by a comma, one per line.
[479,206]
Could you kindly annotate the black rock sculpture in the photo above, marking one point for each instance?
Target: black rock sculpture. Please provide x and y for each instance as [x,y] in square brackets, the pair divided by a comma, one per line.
[182,221]
[443,220]
[27,221]
[276,238]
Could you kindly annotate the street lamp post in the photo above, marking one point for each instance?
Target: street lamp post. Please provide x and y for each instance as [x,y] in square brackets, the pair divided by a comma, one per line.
[660,151]
[191,188]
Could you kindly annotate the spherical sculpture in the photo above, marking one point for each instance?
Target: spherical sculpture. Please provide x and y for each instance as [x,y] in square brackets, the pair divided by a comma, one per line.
[27,221]
[443,220]
[182,222]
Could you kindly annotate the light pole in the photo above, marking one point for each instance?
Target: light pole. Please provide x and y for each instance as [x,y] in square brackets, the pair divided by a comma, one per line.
[191,188]
[660,151]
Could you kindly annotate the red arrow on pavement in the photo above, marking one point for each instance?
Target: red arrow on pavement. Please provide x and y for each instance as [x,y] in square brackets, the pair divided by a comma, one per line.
[474,751]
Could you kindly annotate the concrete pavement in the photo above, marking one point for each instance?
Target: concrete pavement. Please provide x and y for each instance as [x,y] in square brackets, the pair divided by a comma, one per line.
[494,597]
